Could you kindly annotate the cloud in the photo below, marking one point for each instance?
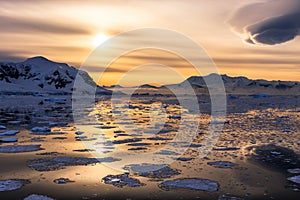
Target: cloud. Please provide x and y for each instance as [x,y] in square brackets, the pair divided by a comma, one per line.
[21,25]
[268,23]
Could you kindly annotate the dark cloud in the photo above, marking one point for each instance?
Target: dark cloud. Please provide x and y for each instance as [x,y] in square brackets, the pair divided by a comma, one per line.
[269,23]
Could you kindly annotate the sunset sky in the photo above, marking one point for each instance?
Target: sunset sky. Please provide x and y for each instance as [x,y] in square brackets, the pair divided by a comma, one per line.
[257,39]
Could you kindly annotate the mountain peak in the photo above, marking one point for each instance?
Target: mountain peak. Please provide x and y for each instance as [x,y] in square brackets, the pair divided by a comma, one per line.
[38,58]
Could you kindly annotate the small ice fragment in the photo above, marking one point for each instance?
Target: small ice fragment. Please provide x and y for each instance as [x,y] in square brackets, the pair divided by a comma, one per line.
[37,197]
[41,129]
[9,133]
[7,140]
[295,179]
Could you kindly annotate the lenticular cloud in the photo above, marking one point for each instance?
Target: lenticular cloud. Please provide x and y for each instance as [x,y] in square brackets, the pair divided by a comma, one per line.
[268,23]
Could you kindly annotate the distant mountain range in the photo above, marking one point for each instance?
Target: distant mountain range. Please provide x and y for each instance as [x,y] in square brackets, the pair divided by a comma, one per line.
[38,74]
[243,85]
[233,85]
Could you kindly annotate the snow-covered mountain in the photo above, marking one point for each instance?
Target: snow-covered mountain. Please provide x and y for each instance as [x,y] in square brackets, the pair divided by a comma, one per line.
[38,74]
[243,85]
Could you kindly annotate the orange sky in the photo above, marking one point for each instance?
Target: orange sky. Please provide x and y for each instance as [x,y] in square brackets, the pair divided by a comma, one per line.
[64,31]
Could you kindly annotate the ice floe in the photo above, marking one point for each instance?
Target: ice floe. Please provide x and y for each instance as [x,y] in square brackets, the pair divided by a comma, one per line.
[63,181]
[20,148]
[222,164]
[294,171]
[57,163]
[122,180]
[154,171]
[37,197]
[229,197]
[184,159]
[295,179]
[126,141]
[9,133]
[193,183]
[2,127]
[12,184]
[225,148]
[41,129]
[8,140]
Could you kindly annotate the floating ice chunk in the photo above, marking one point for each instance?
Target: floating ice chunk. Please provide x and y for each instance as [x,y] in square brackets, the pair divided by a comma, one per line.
[156,171]
[55,100]
[275,153]
[166,152]
[225,148]
[12,184]
[294,171]
[122,180]
[295,179]
[229,197]
[38,197]
[184,159]
[194,184]
[9,133]
[174,117]
[41,129]
[222,164]
[48,133]
[106,127]
[159,138]
[2,127]
[7,140]
[14,122]
[83,150]
[20,148]
[137,149]
[51,124]
[57,163]
[196,145]
[63,181]
[79,132]
[126,141]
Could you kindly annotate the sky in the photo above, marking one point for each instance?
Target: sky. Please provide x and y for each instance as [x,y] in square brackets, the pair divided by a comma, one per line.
[256,39]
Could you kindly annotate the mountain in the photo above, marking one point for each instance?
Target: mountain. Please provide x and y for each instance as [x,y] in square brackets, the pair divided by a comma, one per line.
[243,85]
[38,74]
[148,86]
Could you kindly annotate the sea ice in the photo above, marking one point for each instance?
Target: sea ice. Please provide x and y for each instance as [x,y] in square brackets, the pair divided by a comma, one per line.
[20,148]
[194,184]
[7,140]
[155,171]
[63,181]
[222,164]
[9,133]
[57,163]
[229,197]
[2,127]
[10,184]
[122,180]
[37,197]
[295,179]
[294,171]
[41,129]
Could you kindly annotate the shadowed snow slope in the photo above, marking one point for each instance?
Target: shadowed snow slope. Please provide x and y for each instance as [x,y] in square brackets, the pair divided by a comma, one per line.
[38,74]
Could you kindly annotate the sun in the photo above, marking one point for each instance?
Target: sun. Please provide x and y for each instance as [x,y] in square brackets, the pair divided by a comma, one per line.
[99,39]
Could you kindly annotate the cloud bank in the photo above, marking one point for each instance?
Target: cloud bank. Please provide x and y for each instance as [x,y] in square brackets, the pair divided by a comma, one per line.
[268,23]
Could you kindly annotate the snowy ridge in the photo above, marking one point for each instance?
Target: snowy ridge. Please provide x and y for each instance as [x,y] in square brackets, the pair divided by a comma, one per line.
[38,74]
[243,85]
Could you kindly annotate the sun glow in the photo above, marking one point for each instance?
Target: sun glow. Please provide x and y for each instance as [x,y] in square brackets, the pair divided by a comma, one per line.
[99,39]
